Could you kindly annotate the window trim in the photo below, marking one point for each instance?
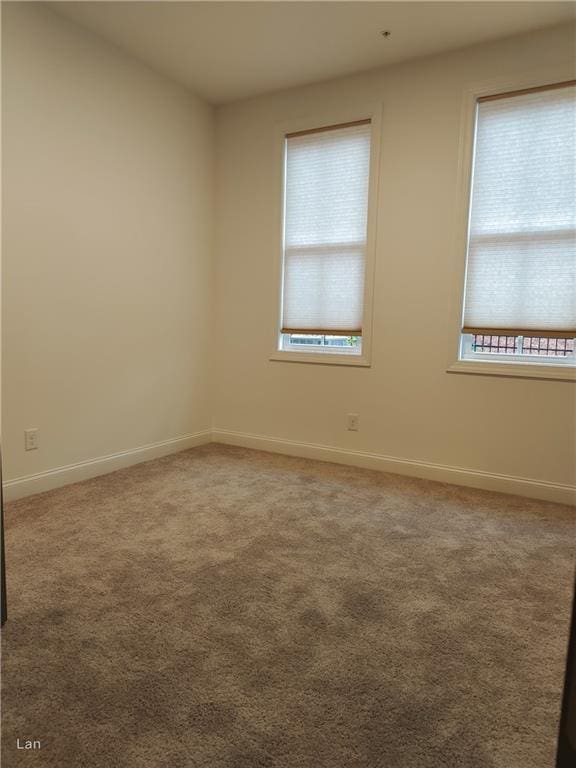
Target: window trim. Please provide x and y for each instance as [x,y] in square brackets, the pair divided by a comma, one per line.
[511,365]
[462,206]
[512,357]
[372,112]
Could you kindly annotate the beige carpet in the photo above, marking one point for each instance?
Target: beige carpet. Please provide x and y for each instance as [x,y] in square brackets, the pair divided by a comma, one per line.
[226,608]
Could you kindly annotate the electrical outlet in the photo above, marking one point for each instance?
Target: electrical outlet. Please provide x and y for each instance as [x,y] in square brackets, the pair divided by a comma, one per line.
[353,422]
[31,439]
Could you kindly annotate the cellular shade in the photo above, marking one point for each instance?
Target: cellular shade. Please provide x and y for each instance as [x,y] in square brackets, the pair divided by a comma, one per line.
[521,269]
[325,217]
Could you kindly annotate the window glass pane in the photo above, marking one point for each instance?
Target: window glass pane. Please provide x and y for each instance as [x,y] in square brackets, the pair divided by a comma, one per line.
[554,351]
[347,345]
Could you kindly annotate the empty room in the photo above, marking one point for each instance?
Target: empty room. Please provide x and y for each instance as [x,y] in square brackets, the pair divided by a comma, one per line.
[288,384]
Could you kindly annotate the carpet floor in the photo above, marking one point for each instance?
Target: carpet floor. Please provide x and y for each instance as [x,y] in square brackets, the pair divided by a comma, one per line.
[228,608]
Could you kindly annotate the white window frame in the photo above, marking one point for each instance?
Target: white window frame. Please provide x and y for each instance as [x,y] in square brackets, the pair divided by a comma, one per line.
[506,358]
[488,367]
[372,112]
[287,346]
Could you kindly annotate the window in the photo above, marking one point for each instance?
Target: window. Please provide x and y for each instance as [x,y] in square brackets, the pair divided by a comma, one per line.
[520,284]
[520,349]
[325,240]
[316,342]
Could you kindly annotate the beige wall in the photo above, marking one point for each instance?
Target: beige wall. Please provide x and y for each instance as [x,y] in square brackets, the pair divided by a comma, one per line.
[409,406]
[107,221]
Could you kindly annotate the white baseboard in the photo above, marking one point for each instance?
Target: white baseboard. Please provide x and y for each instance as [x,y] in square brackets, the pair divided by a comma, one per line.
[73,473]
[520,486]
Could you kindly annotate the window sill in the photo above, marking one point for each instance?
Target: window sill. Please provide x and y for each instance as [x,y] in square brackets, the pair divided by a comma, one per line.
[322,358]
[522,370]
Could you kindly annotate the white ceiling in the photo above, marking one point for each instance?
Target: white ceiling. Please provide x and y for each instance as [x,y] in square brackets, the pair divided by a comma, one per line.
[226,51]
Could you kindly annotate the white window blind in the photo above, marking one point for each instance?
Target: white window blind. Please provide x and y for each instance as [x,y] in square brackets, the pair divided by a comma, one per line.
[521,269]
[325,218]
